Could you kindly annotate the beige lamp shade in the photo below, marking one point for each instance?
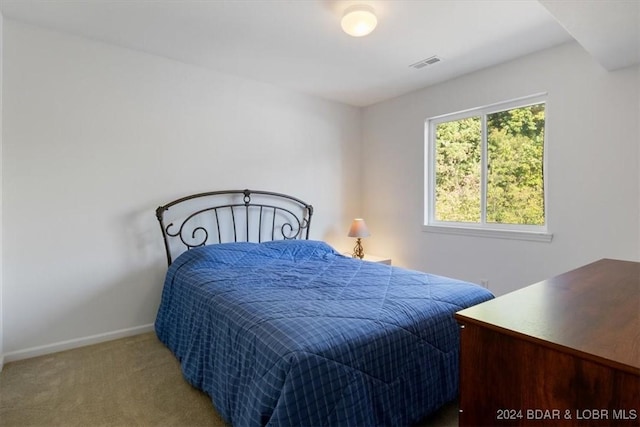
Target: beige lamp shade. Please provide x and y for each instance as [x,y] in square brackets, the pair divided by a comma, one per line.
[359,228]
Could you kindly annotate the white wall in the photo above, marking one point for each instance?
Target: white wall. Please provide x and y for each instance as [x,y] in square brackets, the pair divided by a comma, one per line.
[592,145]
[96,137]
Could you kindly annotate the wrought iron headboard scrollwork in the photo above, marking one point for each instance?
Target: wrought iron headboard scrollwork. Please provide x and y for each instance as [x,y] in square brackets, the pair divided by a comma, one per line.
[232,216]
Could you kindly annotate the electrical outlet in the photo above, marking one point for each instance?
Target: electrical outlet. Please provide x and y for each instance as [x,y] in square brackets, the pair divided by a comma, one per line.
[485,283]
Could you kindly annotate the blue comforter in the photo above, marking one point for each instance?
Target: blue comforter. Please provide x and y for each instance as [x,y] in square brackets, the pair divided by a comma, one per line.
[292,333]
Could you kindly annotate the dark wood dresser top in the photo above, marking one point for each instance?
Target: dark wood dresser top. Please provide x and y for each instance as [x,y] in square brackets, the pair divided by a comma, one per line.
[592,312]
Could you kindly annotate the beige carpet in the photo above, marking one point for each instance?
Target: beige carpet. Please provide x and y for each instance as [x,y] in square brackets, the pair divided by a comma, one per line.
[133,381]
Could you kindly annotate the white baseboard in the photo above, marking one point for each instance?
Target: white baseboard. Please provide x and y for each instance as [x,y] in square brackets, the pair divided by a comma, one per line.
[74,343]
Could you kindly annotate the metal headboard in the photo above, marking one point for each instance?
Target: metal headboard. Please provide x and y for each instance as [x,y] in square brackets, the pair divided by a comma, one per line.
[232,216]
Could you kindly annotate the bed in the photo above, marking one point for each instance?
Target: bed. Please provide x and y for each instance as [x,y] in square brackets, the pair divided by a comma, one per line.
[280,330]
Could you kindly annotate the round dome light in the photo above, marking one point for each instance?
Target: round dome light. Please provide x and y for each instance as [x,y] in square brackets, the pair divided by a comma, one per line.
[359,20]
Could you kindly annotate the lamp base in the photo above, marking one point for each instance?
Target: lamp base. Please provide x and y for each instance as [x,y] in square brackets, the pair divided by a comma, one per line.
[358,250]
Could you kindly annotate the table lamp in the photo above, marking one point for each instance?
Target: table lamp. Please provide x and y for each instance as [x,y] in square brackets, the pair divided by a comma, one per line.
[359,230]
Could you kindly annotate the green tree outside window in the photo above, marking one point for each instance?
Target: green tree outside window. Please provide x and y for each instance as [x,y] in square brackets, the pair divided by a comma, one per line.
[514,168]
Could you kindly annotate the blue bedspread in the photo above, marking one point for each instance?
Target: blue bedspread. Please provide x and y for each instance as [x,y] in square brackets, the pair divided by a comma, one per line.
[292,333]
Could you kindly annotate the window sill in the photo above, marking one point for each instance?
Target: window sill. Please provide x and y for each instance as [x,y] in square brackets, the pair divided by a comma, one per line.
[535,236]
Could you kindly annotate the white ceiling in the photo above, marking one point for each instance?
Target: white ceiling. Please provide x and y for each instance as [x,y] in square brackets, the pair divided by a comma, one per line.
[609,30]
[298,44]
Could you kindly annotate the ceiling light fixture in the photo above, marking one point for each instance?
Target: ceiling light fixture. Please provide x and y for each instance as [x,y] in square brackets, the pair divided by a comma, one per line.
[359,20]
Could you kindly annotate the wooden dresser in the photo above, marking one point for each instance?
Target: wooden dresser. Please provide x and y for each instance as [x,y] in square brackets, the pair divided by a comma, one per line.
[562,352]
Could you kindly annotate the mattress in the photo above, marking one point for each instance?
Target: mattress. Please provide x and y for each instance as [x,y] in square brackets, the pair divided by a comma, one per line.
[292,333]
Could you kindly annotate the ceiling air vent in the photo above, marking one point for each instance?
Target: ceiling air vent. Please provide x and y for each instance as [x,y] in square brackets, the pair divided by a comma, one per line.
[426,62]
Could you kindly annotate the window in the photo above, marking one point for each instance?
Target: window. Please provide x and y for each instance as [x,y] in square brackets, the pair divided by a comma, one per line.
[485,171]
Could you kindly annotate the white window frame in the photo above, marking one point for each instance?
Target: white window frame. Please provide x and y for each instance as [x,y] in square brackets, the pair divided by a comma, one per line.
[482,228]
